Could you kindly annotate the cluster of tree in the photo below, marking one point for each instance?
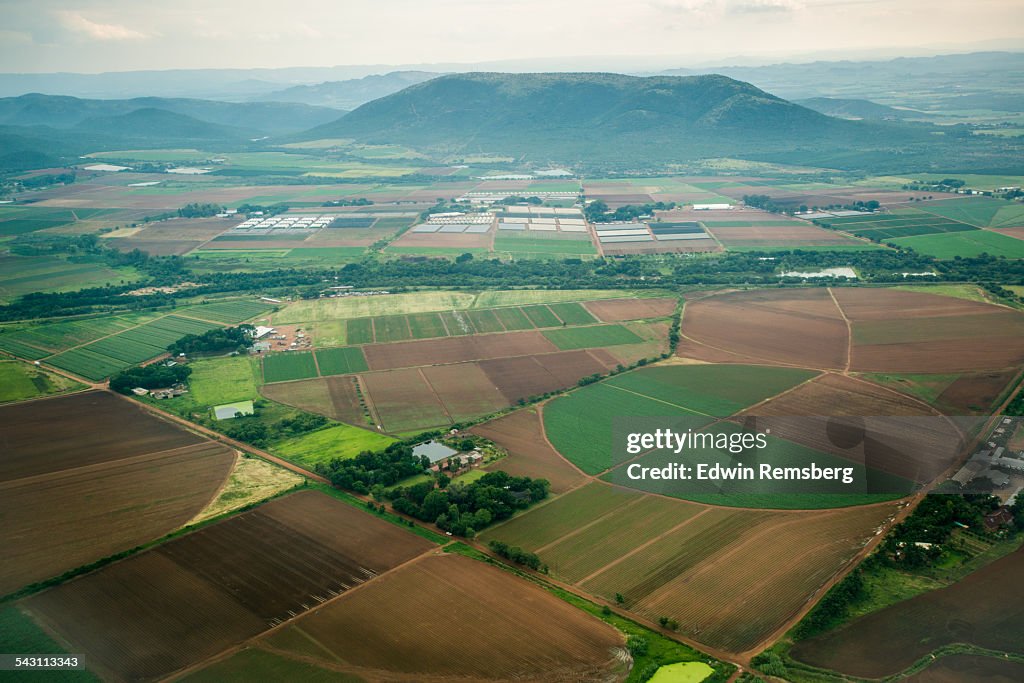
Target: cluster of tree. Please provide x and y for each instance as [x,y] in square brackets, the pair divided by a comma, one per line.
[517,555]
[933,521]
[833,608]
[197,210]
[47,179]
[465,509]
[386,468]
[155,376]
[597,211]
[272,210]
[512,200]
[944,185]
[254,429]
[218,340]
[361,201]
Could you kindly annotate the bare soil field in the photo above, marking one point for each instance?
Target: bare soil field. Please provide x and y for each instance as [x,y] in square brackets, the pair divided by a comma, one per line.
[1012,232]
[806,330]
[617,310]
[155,613]
[974,393]
[404,400]
[455,349]
[730,576]
[389,629]
[796,233]
[525,376]
[900,436]
[155,248]
[465,390]
[982,609]
[970,669]
[69,432]
[446,240]
[659,247]
[529,455]
[895,304]
[61,520]
[334,397]
[952,355]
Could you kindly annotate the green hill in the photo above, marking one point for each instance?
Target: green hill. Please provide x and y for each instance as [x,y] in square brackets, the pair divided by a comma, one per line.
[601,117]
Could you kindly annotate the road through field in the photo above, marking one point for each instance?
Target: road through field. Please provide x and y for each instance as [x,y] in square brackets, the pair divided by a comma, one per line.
[217,436]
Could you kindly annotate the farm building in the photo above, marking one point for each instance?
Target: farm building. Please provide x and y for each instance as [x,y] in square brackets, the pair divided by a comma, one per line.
[231,410]
[262,331]
[435,451]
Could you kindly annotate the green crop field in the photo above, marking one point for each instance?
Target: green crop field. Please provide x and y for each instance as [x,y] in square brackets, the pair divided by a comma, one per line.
[541,316]
[513,319]
[484,320]
[519,297]
[20,381]
[983,212]
[223,380]
[369,306]
[965,244]
[591,337]
[20,275]
[579,425]
[391,328]
[426,325]
[323,445]
[341,360]
[573,314]
[758,493]
[359,331]
[228,312]
[282,367]
[525,246]
[86,363]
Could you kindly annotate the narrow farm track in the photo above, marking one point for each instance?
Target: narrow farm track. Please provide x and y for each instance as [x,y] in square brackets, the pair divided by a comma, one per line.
[216,436]
[849,331]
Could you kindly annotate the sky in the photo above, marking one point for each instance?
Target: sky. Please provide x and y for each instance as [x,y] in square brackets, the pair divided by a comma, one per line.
[90,36]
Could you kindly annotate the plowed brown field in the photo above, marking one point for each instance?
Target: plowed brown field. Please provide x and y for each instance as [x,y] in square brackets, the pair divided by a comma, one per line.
[190,599]
[518,632]
[529,454]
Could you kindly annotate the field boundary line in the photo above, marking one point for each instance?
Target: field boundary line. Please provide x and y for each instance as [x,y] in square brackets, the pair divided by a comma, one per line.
[99,466]
[645,545]
[668,403]
[589,524]
[849,331]
[433,391]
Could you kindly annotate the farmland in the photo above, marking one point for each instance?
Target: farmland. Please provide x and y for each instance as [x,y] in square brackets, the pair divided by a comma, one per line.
[193,597]
[336,441]
[387,628]
[20,275]
[669,558]
[20,381]
[976,610]
[118,488]
[892,331]
[528,453]
[579,425]
[222,380]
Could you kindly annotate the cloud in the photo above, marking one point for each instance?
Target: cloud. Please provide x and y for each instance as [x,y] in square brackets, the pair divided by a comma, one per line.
[764,6]
[74,21]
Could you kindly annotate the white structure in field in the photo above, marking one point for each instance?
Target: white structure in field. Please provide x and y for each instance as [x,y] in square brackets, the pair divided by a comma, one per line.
[711,207]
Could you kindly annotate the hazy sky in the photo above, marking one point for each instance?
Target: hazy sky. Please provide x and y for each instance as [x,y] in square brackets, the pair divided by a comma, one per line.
[115,35]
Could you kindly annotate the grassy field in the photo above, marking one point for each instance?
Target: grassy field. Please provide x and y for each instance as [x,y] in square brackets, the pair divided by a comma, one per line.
[965,244]
[336,441]
[20,381]
[517,297]
[223,380]
[968,292]
[368,306]
[591,337]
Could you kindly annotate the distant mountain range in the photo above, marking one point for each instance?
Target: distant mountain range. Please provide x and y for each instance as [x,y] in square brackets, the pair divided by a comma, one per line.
[351,93]
[243,119]
[854,109]
[602,117]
